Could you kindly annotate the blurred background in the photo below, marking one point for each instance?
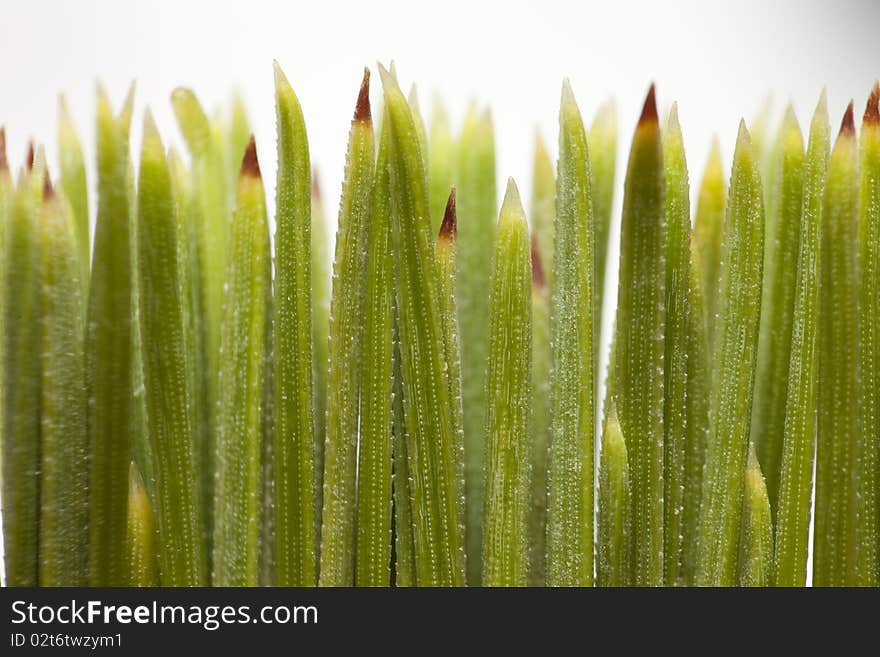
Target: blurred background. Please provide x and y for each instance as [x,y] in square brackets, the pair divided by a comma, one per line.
[719,60]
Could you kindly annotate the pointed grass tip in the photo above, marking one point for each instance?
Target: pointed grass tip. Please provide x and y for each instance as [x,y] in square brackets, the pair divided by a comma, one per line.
[511,207]
[848,124]
[4,163]
[872,110]
[538,279]
[48,190]
[649,109]
[362,109]
[449,227]
[29,158]
[250,166]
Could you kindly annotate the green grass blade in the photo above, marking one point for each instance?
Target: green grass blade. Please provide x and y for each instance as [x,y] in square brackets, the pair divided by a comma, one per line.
[110,353]
[436,492]
[543,208]
[777,302]
[169,360]
[742,255]
[636,377]
[441,162]
[542,361]
[708,228]
[373,564]
[699,393]
[64,471]
[675,360]
[613,522]
[508,414]
[477,212]
[835,538]
[421,130]
[143,565]
[346,335]
[756,545]
[868,567]
[404,542]
[74,184]
[242,382]
[570,494]
[235,132]
[21,383]
[294,452]
[602,143]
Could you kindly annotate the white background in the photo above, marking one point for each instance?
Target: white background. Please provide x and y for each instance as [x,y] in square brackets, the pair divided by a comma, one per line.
[719,60]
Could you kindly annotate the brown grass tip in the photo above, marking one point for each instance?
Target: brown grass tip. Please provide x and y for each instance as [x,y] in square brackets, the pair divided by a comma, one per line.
[250,166]
[362,109]
[872,111]
[449,227]
[4,163]
[48,190]
[29,158]
[649,110]
[538,279]
[848,125]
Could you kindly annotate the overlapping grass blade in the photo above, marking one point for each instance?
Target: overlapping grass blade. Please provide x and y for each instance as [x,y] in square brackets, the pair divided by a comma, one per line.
[543,208]
[295,441]
[74,184]
[708,228]
[346,334]
[742,255]
[613,524]
[141,534]
[509,401]
[570,492]
[602,143]
[636,376]
[756,543]
[441,162]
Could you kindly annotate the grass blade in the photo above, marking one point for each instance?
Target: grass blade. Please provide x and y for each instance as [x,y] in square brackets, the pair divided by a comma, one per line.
[708,229]
[543,210]
[169,365]
[636,377]
[441,161]
[477,213]
[602,144]
[110,352]
[777,301]
[742,252]
[74,184]
[294,450]
[437,532]
[64,472]
[613,524]
[570,494]
[796,477]
[508,414]
[373,565]
[143,567]
[404,541]
[756,547]
[675,360]
[346,334]
[868,568]
[835,538]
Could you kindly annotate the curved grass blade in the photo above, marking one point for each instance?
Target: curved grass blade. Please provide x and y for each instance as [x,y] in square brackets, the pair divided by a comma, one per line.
[169,361]
[346,335]
[373,561]
[675,360]
[436,492]
[542,361]
[602,144]
[708,228]
[477,213]
[244,337]
[441,162]
[868,567]
[613,523]
[777,301]
[110,353]
[509,398]
[570,491]
[543,209]
[64,471]
[143,566]
[74,184]
[742,252]
[294,450]
[834,551]
[636,377]
[756,545]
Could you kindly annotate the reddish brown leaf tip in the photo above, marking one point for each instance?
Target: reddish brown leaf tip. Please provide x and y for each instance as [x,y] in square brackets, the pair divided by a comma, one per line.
[538,279]
[48,190]
[362,109]
[449,227]
[250,166]
[848,125]
[4,163]
[316,185]
[872,111]
[29,158]
[649,110]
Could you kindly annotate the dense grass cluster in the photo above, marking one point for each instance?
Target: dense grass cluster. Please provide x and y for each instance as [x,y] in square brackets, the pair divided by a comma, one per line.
[187,401]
